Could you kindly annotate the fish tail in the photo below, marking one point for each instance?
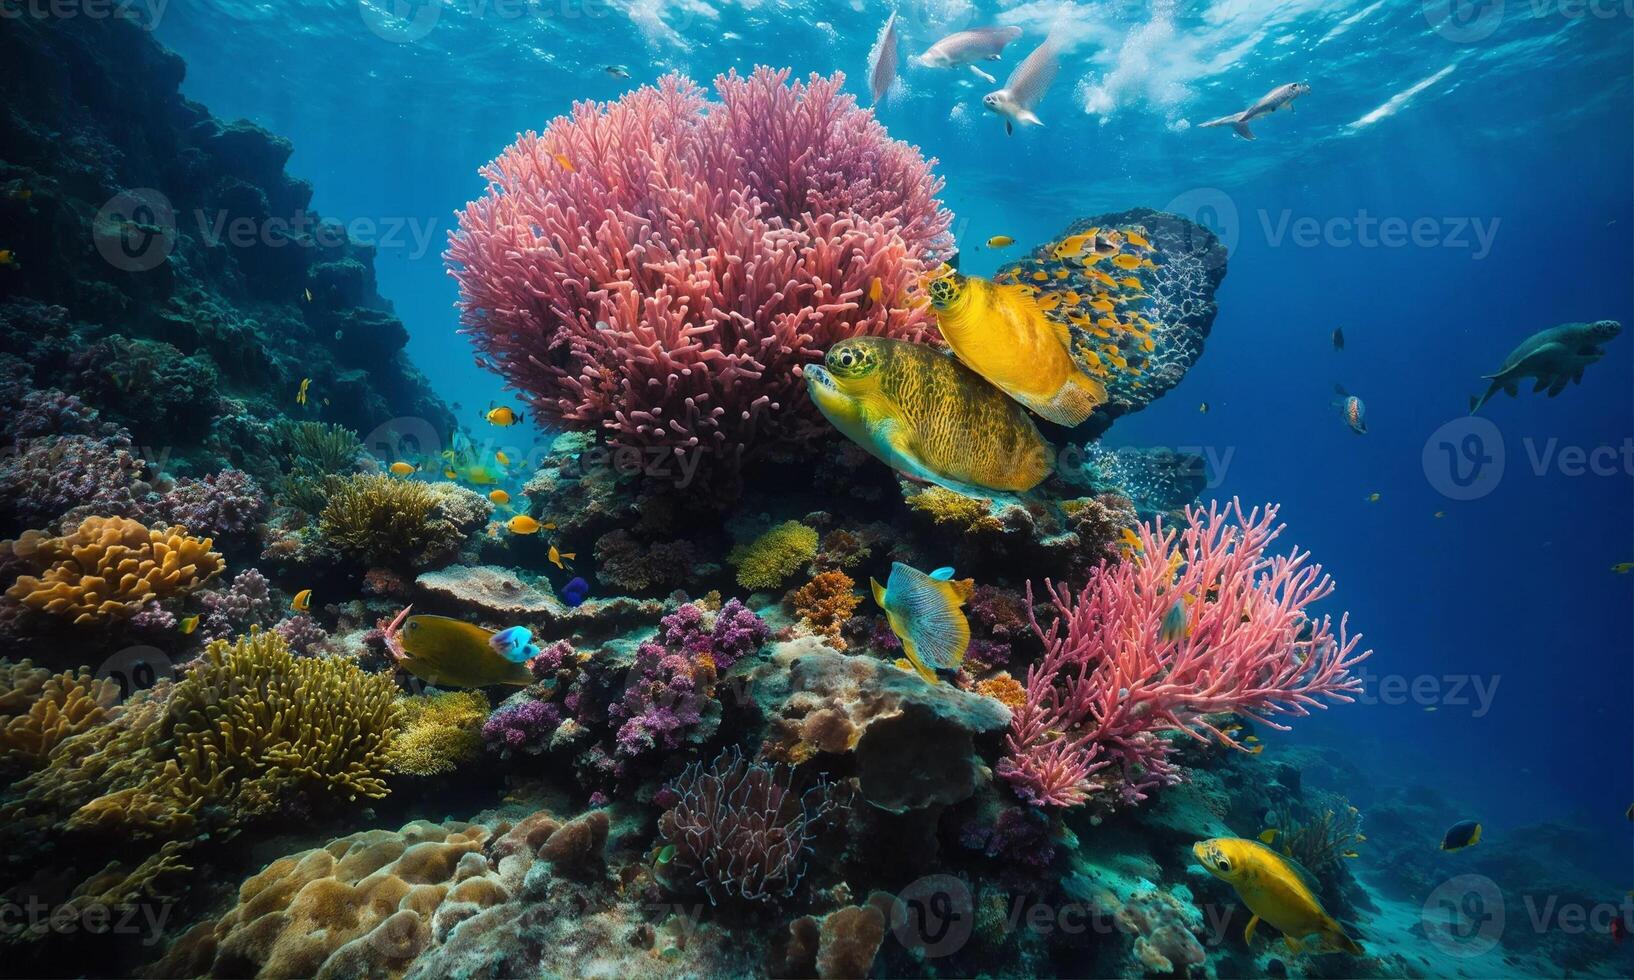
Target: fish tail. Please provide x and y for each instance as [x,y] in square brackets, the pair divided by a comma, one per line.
[1336,935]
[1077,399]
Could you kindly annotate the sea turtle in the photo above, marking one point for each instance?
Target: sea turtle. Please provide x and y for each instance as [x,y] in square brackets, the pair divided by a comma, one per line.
[1554,357]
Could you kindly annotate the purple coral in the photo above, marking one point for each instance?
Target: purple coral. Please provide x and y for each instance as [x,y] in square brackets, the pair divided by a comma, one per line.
[52,413]
[69,477]
[303,634]
[738,632]
[524,726]
[224,505]
[233,610]
[741,829]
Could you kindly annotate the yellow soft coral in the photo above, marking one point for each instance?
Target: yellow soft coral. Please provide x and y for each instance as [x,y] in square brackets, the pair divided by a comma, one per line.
[39,713]
[440,732]
[946,507]
[111,567]
[380,520]
[765,562]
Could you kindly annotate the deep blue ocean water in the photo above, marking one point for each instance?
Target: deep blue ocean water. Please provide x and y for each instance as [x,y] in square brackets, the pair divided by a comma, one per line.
[1500,142]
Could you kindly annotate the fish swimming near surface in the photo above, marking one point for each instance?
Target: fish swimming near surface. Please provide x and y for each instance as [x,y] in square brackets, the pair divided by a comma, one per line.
[1554,358]
[1281,97]
[1025,89]
[515,644]
[925,613]
[929,417]
[882,61]
[965,48]
[999,332]
[617,71]
[447,652]
[1465,833]
[1352,408]
[1276,889]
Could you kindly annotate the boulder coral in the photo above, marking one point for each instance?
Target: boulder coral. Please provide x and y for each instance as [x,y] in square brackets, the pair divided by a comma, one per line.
[109,569]
[659,268]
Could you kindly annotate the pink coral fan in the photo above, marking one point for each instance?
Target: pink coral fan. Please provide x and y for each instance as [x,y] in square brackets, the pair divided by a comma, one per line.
[661,267]
[1196,621]
[741,829]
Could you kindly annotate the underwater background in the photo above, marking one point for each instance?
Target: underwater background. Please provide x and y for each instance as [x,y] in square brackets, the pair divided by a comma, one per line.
[1478,553]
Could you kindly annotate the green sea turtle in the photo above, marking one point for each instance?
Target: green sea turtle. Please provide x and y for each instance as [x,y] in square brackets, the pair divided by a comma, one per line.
[1554,357]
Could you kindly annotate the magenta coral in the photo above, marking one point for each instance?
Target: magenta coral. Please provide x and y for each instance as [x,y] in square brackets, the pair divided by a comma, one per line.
[660,267]
[1112,678]
[522,725]
[741,829]
[224,505]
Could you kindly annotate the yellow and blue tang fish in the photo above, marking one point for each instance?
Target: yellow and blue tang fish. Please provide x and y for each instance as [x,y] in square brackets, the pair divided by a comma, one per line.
[450,653]
[925,614]
[1460,835]
[1175,622]
[929,417]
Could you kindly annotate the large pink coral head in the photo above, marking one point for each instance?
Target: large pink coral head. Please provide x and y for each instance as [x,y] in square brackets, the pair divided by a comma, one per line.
[1195,621]
[661,267]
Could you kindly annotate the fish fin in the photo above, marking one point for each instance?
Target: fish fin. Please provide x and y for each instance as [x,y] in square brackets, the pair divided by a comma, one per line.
[879,592]
[1248,933]
[984,76]
[1034,76]
[1337,937]
[1511,390]
[1243,130]
[942,574]
[1076,400]
[1475,838]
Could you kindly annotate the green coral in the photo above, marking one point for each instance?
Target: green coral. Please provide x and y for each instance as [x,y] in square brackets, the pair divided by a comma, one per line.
[315,453]
[380,520]
[441,732]
[769,559]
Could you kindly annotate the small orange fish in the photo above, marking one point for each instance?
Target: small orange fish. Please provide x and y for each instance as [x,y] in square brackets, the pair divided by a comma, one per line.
[302,601]
[566,163]
[523,524]
[876,290]
[1126,261]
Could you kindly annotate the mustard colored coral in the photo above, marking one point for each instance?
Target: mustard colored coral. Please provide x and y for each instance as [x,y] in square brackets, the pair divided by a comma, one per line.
[825,603]
[441,731]
[110,568]
[381,520]
[946,507]
[768,560]
[37,713]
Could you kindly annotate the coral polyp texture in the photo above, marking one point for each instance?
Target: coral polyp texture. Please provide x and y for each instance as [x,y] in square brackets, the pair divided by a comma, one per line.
[1198,620]
[660,267]
[110,569]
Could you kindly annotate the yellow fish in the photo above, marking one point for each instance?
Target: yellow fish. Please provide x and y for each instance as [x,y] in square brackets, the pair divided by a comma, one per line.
[401,468]
[876,290]
[500,497]
[1126,261]
[188,625]
[924,613]
[1268,835]
[503,416]
[1070,247]
[302,601]
[449,474]
[503,459]
[1276,889]
[929,417]
[1135,239]
[1623,567]
[6,257]
[523,524]
[557,556]
[1003,335]
[300,393]
[449,653]
[1131,540]
[1374,497]
[1000,241]
[566,164]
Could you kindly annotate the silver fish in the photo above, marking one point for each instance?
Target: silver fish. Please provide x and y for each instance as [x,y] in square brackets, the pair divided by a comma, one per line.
[882,61]
[1025,88]
[964,49]
[1281,97]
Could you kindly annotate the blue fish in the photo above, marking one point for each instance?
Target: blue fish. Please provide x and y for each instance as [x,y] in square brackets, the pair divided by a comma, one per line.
[924,612]
[1175,622]
[575,592]
[515,644]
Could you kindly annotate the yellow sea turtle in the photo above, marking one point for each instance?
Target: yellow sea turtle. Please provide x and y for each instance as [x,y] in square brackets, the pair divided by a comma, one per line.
[1276,889]
[1002,334]
[929,417]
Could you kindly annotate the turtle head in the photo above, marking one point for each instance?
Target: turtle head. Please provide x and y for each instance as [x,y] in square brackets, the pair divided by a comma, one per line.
[1603,330]
[845,380]
[946,290]
[852,363]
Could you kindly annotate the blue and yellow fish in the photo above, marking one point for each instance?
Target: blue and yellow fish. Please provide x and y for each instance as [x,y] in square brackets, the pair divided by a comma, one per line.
[925,614]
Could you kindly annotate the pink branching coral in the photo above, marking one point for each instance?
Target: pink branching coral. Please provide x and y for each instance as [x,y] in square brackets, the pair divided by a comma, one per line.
[661,267]
[1122,666]
[740,827]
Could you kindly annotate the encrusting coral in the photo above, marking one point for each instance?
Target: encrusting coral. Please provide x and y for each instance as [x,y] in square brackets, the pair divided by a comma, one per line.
[39,710]
[769,559]
[589,284]
[440,731]
[110,568]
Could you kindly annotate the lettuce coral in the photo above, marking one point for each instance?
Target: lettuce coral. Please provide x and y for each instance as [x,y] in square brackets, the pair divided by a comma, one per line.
[39,709]
[769,559]
[667,283]
[440,732]
[110,569]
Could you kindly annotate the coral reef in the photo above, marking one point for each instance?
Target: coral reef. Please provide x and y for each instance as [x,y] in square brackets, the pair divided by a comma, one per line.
[244,604]
[110,569]
[741,830]
[38,710]
[440,731]
[378,520]
[1114,677]
[825,604]
[773,556]
[618,324]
